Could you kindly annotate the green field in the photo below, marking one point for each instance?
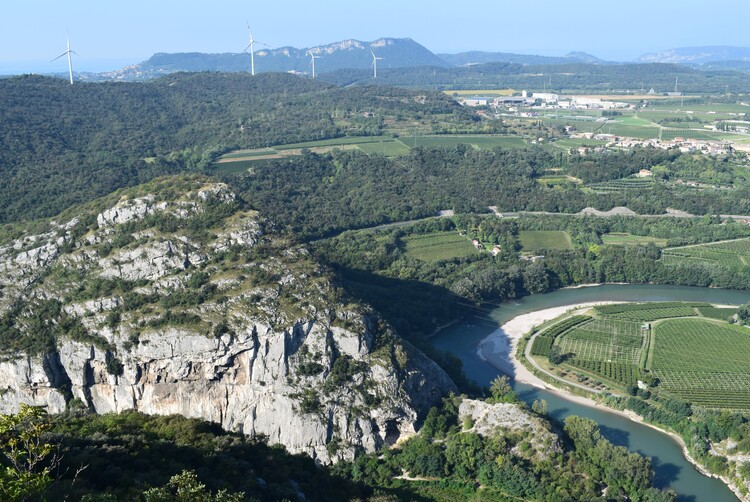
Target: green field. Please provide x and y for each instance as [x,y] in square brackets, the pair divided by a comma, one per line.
[478,141]
[438,246]
[620,239]
[704,362]
[535,240]
[695,354]
[242,160]
[733,254]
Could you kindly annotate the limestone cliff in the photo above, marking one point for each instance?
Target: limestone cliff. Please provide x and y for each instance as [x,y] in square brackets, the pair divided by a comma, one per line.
[171,298]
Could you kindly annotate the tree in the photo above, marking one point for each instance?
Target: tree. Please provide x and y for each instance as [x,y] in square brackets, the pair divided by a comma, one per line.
[24,450]
[540,407]
[185,487]
[501,390]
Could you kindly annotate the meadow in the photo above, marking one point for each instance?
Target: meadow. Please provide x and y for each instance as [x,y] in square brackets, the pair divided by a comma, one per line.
[438,246]
[621,239]
[536,240]
[242,160]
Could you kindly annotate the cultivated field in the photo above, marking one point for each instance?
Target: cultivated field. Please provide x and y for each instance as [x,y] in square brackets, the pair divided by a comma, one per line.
[535,240]
[438,246]
[695,355]
[242,160]
[704,362]
[732,254]
[620,239]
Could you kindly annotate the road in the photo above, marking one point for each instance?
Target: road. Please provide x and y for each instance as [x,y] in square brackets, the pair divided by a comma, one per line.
[527,355]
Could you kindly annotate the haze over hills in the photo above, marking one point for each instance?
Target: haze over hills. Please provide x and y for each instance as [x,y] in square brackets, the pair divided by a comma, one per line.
[697,55]
[481,57]
[400,53]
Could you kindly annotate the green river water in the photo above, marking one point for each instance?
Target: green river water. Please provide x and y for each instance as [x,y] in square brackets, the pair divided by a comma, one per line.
[670,466]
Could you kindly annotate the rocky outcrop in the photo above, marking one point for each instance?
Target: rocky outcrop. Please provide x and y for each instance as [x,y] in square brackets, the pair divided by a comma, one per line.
[203,324]
[487,419]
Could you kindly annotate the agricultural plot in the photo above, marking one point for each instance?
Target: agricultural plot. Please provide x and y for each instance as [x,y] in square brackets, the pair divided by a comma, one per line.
[438,246]
[478,141]
[543,343]
[623,184]
[620,239]
[695,357]
[535,240]
[650,311]
[734,254]
[721,313]
[605,340]
[705,362]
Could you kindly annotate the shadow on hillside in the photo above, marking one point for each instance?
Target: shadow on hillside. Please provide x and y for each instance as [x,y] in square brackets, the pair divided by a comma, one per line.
[415,309]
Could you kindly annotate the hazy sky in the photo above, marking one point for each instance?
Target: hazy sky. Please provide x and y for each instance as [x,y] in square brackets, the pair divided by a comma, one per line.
[109,34]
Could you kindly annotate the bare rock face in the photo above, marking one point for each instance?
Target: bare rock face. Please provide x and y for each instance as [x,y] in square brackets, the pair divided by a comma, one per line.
[486,419]
[186,304]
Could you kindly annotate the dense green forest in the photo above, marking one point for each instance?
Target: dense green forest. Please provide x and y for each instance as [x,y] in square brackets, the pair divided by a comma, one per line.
[319,195]
[561,77]
[63,144]
[132,456]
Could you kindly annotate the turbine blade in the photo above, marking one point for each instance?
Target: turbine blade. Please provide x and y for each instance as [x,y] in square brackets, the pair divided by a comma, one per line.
[61,55]
[246,48]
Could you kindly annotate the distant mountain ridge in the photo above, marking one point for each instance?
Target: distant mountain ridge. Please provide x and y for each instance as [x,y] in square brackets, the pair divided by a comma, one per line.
[697,55]
[482,57]
[349,54]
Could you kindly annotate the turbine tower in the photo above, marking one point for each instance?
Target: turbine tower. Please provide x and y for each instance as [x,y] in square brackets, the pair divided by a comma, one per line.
[313,57]
[374,64]
[70,62]
[252,50]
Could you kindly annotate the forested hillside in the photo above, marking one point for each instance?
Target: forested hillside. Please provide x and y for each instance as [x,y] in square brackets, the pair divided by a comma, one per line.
[63,144]
[316,195]
[569,77]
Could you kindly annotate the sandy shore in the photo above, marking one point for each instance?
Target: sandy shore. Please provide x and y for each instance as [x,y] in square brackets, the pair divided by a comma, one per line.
[499,349]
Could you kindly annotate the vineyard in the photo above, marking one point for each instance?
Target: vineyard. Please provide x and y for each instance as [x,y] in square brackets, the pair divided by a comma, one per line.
[543,342]
[704,362]
[695,354]
[651,311]
[733,254]
[622,184]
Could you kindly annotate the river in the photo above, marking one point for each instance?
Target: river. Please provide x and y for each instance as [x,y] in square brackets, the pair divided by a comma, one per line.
[671,468]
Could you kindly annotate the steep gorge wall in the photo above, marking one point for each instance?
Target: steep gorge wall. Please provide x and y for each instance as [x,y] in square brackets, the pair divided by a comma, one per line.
[283,358]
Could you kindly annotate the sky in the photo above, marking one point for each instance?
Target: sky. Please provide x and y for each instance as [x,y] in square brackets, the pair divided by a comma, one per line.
[107,35]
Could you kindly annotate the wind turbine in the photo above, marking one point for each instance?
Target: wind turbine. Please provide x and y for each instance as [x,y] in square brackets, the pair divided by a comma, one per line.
[313,57]
[252,50]
[374,64]
[70,63]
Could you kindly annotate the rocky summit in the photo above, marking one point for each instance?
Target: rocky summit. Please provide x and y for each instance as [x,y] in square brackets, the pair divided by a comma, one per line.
[172,298]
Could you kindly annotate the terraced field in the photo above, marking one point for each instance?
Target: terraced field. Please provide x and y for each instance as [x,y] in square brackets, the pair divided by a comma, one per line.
[622,184]
[733,254]
[695,354]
